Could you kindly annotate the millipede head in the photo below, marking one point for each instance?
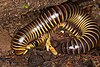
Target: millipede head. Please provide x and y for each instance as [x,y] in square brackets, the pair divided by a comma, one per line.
[20,52]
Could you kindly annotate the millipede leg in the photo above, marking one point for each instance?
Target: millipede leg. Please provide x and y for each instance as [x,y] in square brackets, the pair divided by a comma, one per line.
[50,47]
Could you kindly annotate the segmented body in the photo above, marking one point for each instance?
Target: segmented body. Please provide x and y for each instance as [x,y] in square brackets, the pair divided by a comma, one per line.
[52,17]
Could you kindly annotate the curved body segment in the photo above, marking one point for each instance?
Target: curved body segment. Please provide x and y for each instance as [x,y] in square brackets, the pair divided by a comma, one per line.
[52,17]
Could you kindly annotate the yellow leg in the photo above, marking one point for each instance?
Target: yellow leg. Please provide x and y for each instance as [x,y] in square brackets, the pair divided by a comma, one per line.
[45,37]
[49,46]
[37,42]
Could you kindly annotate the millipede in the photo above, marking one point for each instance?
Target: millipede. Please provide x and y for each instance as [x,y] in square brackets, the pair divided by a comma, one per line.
[28,37]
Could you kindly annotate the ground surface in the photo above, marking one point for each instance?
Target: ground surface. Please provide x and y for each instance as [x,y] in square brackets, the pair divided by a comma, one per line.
[15,14]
